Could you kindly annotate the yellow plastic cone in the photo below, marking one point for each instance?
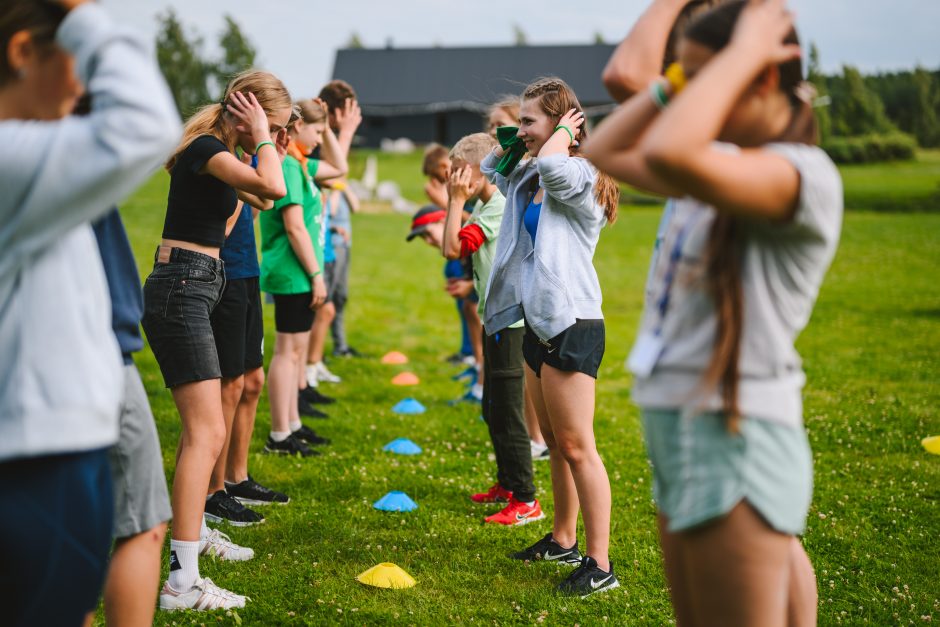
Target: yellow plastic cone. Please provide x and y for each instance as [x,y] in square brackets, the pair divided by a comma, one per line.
[386,575]
[394,358]
[932,444]
[406,378]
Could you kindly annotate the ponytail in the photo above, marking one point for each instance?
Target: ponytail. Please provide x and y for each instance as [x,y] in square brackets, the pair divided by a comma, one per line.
[206,121]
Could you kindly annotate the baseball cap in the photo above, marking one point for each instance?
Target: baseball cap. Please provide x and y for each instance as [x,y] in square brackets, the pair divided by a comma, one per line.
[429,214]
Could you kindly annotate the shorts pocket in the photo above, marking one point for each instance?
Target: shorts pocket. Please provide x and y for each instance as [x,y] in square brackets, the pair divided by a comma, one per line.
[157,293]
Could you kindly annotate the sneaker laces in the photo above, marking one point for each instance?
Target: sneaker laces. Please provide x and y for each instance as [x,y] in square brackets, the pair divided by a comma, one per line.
[218,544]
[214,597]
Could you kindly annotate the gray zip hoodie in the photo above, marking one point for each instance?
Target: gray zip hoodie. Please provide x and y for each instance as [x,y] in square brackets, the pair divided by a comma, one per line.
[61,374]
[555,283]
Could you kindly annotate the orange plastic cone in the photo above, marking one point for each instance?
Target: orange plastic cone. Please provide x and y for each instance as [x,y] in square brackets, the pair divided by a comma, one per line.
[394,358]
[406,378]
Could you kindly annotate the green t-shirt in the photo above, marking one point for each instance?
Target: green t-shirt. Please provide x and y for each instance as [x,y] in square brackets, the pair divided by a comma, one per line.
[281,271]
[319,241]
[488,216]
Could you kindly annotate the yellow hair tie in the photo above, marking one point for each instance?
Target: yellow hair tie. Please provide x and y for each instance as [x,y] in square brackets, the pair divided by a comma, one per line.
[339,186]
[676,77]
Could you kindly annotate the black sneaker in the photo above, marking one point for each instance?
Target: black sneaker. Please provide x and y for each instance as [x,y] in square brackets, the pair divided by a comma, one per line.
[315,397]
[289,446]
[588,579]
[222,507]
[309,436]
[304,408]
[349,351]
[250,492]
[548,550]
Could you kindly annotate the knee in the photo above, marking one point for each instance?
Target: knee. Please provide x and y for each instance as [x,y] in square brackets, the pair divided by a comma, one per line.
[232,389]
[254,383]
[572,449]
[209,437]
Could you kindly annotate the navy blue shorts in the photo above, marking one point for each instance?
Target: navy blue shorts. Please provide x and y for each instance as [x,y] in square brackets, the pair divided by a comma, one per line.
[55,536]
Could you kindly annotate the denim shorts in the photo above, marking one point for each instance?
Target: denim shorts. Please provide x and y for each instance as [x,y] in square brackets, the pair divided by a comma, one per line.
[701,471]
[179,296]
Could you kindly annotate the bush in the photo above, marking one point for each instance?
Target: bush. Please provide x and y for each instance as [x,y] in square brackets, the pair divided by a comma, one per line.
[871,148]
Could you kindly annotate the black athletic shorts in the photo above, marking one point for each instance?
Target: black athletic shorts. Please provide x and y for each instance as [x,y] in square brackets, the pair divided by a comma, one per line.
[579,348]
[238,327]
[292,313]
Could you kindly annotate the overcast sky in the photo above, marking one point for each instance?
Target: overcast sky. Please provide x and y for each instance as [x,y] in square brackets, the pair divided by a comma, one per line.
[297,39]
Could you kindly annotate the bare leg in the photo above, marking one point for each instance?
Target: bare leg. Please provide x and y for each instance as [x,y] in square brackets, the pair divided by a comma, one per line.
[532,420]
[565,525]
[231,393]
[803,598]
[130,593]
[236,465]
[569,400]
[738,571]
[321,326]
[202,439]
[282,378]
[675,567]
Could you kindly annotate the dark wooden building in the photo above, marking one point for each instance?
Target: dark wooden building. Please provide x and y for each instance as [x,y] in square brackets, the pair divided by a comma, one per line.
[442,94]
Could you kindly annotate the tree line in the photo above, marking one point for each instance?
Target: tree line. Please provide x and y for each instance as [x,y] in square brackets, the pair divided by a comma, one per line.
[862,118]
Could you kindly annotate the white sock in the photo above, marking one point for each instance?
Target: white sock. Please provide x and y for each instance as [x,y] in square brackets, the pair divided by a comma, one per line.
[530,504]
[184,564]
[204,530]
[477,390]
[295,424]
[279,436]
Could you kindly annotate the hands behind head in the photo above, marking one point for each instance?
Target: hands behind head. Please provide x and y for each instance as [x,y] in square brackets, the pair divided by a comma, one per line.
[573,120]
[250,116]
[460,185]
[349,116]
[761,30]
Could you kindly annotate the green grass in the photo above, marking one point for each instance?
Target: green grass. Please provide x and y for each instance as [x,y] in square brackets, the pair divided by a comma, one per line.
[871,355]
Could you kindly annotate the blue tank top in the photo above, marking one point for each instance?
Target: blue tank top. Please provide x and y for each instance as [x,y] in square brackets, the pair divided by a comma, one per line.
[530,220]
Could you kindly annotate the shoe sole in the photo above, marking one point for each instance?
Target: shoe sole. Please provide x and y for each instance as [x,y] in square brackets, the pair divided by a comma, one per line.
[540,458]
[517,523]
[285,453]
[256,502]
[235,523]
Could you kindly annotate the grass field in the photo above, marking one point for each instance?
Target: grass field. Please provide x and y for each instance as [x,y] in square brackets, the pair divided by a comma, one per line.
[871,355]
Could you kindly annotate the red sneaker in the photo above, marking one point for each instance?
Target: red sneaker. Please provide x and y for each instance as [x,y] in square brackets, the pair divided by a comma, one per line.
[517,513]
[496,494]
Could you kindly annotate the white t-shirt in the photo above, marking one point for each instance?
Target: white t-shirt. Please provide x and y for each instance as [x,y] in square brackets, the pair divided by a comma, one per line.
[783,266]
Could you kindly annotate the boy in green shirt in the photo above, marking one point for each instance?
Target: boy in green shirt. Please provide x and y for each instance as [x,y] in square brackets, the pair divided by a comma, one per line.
[503,383]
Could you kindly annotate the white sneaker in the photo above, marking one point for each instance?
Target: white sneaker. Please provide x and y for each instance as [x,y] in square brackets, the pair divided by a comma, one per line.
[312,378]
[323,374]
[539,451]
[219,545]
[204,595]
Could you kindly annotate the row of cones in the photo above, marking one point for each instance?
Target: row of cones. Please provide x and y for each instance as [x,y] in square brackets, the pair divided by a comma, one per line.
[386,574]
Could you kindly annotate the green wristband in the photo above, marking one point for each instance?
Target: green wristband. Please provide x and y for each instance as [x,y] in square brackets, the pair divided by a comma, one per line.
[315,274]
[263,144]
[567,130]
[658,94]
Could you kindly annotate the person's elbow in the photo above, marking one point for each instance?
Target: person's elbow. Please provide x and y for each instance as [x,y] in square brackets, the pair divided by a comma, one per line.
[451,251]
[273,189]
[621,83]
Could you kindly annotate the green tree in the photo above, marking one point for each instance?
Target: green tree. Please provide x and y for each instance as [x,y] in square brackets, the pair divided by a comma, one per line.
[519,36]
[856,109]
[238,54]
[599,38]
[355,42]
[818,79]
[926,103]
[180,59]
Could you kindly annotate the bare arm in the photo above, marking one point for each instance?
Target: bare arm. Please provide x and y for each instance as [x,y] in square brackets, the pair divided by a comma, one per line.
[637,61]
[333,162]
[436,193]
[614,145]
[459,190]
[679,146]
[302,245]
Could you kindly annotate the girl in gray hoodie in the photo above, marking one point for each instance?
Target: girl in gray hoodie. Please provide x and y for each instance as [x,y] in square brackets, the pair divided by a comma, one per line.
[556,206]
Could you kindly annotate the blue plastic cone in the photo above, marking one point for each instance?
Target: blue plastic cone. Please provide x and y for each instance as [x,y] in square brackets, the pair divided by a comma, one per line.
[408,406]
[395,501]
[402,446]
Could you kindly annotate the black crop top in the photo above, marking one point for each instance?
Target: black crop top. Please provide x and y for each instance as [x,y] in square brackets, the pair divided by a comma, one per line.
[198,204]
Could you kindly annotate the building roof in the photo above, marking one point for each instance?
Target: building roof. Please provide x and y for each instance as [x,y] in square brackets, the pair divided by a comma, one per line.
[418,80]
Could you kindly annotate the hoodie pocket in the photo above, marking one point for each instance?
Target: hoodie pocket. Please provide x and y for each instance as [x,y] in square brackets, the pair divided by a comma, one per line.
[546,294]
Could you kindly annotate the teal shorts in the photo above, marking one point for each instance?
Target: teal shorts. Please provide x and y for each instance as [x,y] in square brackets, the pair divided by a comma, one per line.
[701,471]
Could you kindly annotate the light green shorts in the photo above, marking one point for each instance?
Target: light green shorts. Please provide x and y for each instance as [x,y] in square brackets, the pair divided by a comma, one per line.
[701,471]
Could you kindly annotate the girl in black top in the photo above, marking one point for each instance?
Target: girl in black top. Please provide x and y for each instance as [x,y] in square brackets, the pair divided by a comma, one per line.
[207,180]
